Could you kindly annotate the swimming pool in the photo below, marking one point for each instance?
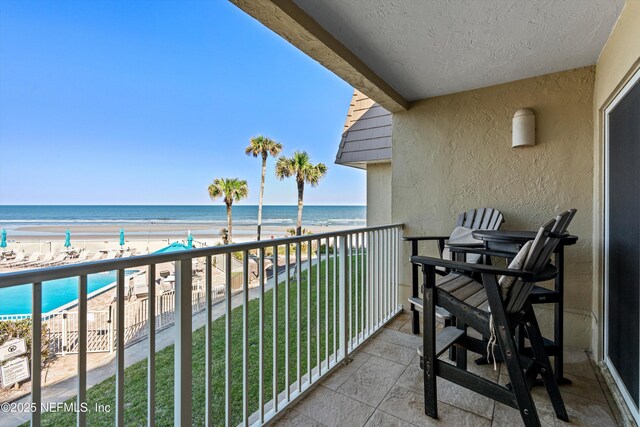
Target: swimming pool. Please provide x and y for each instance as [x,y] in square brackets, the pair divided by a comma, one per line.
[55,293]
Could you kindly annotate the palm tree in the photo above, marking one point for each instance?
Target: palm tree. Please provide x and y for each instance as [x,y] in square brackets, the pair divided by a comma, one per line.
[304,171]
[264,147]
[230,189]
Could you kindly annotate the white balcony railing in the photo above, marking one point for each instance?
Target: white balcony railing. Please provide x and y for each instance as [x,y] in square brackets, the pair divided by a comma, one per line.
[351,280]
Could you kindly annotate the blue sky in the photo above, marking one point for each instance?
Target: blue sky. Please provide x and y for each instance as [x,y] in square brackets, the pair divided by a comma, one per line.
[145,102]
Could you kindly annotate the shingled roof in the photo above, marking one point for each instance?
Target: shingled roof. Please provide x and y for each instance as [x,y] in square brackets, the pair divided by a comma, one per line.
[367,134]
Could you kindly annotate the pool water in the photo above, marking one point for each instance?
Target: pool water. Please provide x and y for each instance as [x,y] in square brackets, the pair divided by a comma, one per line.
[55,293]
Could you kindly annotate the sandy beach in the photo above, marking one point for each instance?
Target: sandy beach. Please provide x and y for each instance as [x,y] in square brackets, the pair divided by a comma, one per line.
[142,237]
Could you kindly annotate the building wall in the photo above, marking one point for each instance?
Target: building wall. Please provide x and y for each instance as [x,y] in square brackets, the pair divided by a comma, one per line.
[618,61]
[378,194]
[453,153]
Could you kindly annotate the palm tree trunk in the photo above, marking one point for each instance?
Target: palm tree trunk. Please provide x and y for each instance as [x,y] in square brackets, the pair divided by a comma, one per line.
[229,222]
[264,171]
[300,206]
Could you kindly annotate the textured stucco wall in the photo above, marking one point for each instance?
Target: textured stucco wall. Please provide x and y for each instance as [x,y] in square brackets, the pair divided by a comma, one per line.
[378,194]
[618,61]
[453,153]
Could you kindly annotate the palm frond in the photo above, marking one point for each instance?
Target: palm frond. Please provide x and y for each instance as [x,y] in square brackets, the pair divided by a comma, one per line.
[285,167]
[231,189]
[262,146]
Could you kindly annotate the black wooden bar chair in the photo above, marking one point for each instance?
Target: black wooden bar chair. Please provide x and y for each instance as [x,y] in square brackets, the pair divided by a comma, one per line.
[494,308]
[473,219]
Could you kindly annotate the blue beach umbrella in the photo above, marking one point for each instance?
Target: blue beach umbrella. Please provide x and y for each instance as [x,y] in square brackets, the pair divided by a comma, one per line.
[122,237]
[3,242]
[189,240]
[67,239]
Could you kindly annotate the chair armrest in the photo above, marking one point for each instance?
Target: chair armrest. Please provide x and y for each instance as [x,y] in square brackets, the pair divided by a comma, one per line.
[414,242]
[417,239]
[546,273]
[481,251]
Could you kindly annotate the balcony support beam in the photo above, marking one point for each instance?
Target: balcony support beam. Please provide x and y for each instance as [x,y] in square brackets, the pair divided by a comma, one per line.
[293,24]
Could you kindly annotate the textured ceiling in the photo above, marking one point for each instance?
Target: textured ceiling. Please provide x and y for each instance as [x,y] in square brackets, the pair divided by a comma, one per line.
[425,48]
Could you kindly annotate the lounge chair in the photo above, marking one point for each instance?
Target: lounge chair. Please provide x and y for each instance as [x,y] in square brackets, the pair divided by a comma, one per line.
[168,283]
[139,286]
[97,256]
[82,256]
[33,259]
[20,257]
[494,308]
[59,260]
[111,255]
[47,258]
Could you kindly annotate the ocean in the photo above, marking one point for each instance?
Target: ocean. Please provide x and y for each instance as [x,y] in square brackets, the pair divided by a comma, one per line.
[14,217]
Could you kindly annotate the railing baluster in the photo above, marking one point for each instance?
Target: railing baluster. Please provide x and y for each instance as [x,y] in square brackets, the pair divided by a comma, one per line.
[383,288]
[391,272]
[227,347]
[363,286]
[208,340]
[183,343]
[261,279]
[36,353]
[372,278]
[245,337]
[318,313]
[395,267]
[343,296]
[390,261]
[350,290]
[298,316]
[119,421]
[326,301]
[82,349]
[275,329]
[151,358]
[380,284]
[387,282]
[287,314]
[357,309]
[309,261]
[335,300]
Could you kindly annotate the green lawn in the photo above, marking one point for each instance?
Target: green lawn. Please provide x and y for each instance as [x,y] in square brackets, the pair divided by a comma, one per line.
[136,375]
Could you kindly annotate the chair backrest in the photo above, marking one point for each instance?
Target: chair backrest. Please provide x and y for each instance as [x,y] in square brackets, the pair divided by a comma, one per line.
[475,219]
[481,219]
[543,245]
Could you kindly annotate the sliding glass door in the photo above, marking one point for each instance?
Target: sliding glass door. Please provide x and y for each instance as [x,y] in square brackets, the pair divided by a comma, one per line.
[622,241]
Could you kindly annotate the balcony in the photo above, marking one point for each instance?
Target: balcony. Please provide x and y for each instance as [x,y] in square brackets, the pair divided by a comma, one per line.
[221,351]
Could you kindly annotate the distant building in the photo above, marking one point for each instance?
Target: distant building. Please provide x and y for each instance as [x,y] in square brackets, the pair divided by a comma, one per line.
[366,144]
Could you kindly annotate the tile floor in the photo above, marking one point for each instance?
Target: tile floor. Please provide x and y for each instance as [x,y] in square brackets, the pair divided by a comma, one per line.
[383,387]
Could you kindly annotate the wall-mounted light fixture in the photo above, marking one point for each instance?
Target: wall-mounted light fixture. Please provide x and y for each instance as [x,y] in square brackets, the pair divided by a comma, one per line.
[524,128]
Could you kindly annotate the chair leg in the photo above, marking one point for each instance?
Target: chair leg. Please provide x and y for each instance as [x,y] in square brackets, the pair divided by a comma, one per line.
[452,350]
[461,353]
[516,375]
[429,343]
[548,377]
